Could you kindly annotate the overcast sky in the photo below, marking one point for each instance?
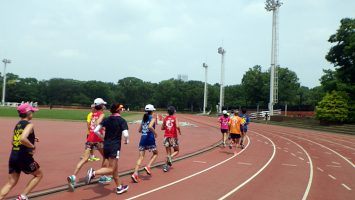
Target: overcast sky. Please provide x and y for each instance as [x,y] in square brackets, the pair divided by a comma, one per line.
[156,40]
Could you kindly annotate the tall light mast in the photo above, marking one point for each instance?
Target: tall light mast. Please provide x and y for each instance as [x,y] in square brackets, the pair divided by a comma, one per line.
[221,92]
[204,65]
[5,61]
[274,5]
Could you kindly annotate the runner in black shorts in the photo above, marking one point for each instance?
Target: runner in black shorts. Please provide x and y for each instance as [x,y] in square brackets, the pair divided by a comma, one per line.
[115,126]
[21,158]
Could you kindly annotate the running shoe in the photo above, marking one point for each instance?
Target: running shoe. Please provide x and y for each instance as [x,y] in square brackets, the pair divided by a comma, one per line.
[169,161]
[22,197]
[122,189]
[71,183]
[147,169]
[242,146]
[135,178]
[230,146]
[89,176]
[165,168]
[105,179]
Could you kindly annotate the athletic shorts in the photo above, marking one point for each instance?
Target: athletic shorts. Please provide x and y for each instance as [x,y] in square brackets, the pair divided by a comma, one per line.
[25,164]
[112,152]
[224,131]
[171,142]
[234,136]
[147,143]
[94,145]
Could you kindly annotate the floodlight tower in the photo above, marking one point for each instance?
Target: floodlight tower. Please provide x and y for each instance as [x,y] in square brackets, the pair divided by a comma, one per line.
[204,65]
[274,5]
[221,92]
[5,61]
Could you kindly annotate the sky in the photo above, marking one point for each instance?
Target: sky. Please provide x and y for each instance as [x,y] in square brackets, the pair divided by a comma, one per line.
[155,40]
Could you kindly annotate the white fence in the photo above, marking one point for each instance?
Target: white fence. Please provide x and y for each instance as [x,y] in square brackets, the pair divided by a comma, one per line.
[15,104]
[263,113]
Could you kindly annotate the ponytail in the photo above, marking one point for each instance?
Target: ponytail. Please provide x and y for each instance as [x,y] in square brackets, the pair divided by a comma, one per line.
[146,116]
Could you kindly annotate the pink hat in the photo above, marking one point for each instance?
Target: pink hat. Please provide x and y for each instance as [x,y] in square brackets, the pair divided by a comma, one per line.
[25,108]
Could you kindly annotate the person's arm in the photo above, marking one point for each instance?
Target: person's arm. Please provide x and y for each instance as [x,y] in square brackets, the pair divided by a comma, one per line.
[101,118]
[178,127]
[151,128]
[163,125]
[140,128]
[24,137]
[97,131]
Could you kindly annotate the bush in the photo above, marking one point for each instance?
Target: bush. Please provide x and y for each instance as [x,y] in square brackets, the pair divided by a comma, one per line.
[333,108]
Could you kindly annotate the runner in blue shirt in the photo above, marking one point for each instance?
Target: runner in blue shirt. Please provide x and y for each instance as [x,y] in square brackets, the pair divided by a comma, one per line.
[244,127]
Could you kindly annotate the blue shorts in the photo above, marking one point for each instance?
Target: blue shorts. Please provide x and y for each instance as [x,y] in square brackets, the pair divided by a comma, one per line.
[147,143]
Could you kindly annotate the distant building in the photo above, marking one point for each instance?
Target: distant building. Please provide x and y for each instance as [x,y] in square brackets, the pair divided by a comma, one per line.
[183,77]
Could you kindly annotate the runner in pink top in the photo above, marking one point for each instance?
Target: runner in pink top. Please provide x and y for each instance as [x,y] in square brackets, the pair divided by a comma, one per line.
[223,120]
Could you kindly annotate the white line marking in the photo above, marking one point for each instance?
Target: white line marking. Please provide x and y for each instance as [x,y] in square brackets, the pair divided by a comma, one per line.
[188,177]
[197,161]
[301,158]
[320,169]
[259,141]
[293,154]
[244,163]
[287,143]
[278,148]
[286,151]
[328,153]
[310,180]
[347,160]
[336,163]
[257,173]
[291,165]
[333,166]
[347,187]
[299,152]
[266,142]
[332,177]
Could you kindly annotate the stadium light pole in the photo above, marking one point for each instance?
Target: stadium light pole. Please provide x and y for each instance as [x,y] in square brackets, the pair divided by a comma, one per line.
[221,92]
[5,61]
[273,5]
[204,65]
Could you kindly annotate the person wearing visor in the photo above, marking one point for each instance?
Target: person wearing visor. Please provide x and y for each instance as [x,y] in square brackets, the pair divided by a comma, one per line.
[223,120]
[21,157]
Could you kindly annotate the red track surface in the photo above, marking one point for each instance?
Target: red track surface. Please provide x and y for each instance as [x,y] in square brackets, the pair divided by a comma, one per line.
[278,163]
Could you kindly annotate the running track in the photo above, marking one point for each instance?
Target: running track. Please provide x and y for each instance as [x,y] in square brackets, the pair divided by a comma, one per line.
[278,163]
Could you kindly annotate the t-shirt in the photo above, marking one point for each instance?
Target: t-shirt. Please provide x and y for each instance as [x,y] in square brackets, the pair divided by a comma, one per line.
[17,147]
[170,126]
[88,120]
[114,126]
[234,125]
[224,122]
[246,120]
[92,136]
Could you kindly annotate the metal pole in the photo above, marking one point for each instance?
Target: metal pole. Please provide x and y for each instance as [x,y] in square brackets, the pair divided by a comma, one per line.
[221,91]
[5,61]
[205,90]
[286,110]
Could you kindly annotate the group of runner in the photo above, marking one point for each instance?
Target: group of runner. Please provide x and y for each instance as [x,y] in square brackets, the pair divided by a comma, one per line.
[104,135]
[234,128]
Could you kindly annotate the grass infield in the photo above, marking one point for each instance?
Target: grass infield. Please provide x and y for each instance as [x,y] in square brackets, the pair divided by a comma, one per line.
[65,114]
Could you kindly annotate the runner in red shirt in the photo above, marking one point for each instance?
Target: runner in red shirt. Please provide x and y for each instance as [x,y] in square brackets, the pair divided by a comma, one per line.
[171,127]
[93,141]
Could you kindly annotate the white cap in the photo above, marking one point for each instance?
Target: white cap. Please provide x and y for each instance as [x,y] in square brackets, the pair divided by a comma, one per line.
[224,112]
[149,107]
[99,101]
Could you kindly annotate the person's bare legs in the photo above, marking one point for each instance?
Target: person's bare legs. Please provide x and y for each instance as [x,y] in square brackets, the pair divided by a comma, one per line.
[176,152]
[84,160]
[11,182]
[139,161]
[153,158]
[37,176]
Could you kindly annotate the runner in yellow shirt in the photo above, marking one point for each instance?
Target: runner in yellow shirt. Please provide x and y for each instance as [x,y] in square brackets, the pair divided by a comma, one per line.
[88,121]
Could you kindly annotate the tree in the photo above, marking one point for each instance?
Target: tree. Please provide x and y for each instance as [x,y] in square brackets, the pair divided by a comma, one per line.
[333,108]
[255,85]
[289,87]
[342,53]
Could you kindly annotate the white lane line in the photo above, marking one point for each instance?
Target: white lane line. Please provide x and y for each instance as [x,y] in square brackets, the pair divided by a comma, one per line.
[320,169]
[286,151]
[336,163]
[244,163]
[257,173]
[190,176]
[299,152]
[278,148]
[328,153]
[291,165]
[332,177]
[329,149]
[347,187]
[266,142]
[197,161]
[333,166]
[301,158]
[293,154]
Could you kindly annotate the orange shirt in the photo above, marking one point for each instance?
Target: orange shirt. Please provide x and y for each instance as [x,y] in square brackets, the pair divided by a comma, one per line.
[234,125]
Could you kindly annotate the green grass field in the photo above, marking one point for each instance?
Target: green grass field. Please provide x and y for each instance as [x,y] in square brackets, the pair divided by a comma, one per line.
[64,114]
